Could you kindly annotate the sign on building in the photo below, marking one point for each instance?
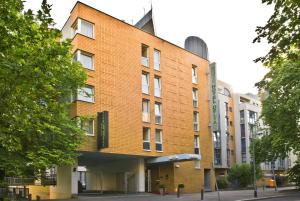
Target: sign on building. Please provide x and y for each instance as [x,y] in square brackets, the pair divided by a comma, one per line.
[214,97]
[102,129]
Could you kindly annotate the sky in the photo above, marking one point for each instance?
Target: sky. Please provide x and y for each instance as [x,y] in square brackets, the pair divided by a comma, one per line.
[227,27]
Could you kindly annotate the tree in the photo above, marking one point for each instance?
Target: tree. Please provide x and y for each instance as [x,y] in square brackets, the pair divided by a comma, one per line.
[282,29]
[37,76]
[281,85]
[242,174]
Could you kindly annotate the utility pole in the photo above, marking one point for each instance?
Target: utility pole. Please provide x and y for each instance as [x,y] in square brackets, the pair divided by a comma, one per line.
[254,130]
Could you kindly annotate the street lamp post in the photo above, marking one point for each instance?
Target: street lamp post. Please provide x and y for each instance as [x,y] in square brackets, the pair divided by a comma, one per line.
[254,168]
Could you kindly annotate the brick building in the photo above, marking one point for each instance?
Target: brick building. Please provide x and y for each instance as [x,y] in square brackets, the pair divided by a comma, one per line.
[147,107]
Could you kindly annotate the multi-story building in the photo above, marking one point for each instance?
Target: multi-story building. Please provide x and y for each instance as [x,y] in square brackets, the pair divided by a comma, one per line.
[146,107]
[247,110]
[224,142]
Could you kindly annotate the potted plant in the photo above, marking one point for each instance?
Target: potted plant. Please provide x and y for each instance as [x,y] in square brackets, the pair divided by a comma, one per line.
[162,189]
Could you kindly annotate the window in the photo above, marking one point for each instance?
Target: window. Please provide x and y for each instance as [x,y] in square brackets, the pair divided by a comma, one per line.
[244,158]
[227,92]
[217,157]
[195,97]
[156,60]
[158,140]
[242,117]
[196,144]
[228,157]
[146,139]
[86,59]
[226,124]
[157,87]
[226,108]
[145,83]
[146,111]
[242,130]
[83,27]
[196,120]
[217,140]
[252,116]
[243,144]
[230,109]
[157,110]
[88,126]
[144,58]
[194,74]
[86,94]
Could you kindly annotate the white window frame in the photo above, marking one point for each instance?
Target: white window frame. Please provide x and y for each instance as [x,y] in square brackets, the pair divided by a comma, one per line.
[146,114]
[196,123]
[156,59]
[78,54]
[157,89]
[194,75]
[93,124]
[195,97]
[145,86]
[145,60]
[77,28]
[147,140]
[158,113]
[197,146]
[85,99]
[161,140]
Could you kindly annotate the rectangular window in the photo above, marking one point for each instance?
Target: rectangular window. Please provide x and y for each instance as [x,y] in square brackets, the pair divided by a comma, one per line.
[226,124]
[157,87]
[158,140]
[244,158]
[196,144]
[146,111]
[157,110]
[242,130]
[87,29]
[83,27]
[146,139]
[242,117]
[195,97]
[156,60]
[196,121]
[226,108]
[252,116]
[194,75]
[86,59]
[145,83]
[88,126]
[86,94]
[144,56]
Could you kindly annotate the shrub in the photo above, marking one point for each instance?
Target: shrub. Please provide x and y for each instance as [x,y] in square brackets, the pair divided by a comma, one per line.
[222,182]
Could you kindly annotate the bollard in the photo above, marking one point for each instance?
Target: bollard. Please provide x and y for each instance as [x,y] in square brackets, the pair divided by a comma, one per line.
[255,193]
[202,194]
[178,191]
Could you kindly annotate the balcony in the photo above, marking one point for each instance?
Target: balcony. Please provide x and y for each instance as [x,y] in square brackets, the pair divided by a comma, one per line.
[145,61]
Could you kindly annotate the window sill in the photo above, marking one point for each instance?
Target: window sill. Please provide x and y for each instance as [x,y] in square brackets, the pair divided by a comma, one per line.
[90,135]
[85,101]
[82,35]
[147,150]
[159,151]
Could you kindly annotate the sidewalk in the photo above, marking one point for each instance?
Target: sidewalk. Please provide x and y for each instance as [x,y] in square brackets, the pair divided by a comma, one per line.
[236,195]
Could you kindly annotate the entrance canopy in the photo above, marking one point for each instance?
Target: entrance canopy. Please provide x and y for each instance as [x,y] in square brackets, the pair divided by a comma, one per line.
[174,158]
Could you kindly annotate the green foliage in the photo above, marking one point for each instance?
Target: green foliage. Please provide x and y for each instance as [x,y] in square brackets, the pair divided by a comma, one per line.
[180,185]
[222,182]
[37,76]
[282,29]
[294,173]
[242,174]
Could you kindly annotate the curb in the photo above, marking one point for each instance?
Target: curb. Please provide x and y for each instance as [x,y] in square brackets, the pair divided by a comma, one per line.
[262,198]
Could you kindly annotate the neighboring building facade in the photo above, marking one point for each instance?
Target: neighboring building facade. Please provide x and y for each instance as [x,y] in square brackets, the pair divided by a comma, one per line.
[147,109]
[224,140]
[247,110]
